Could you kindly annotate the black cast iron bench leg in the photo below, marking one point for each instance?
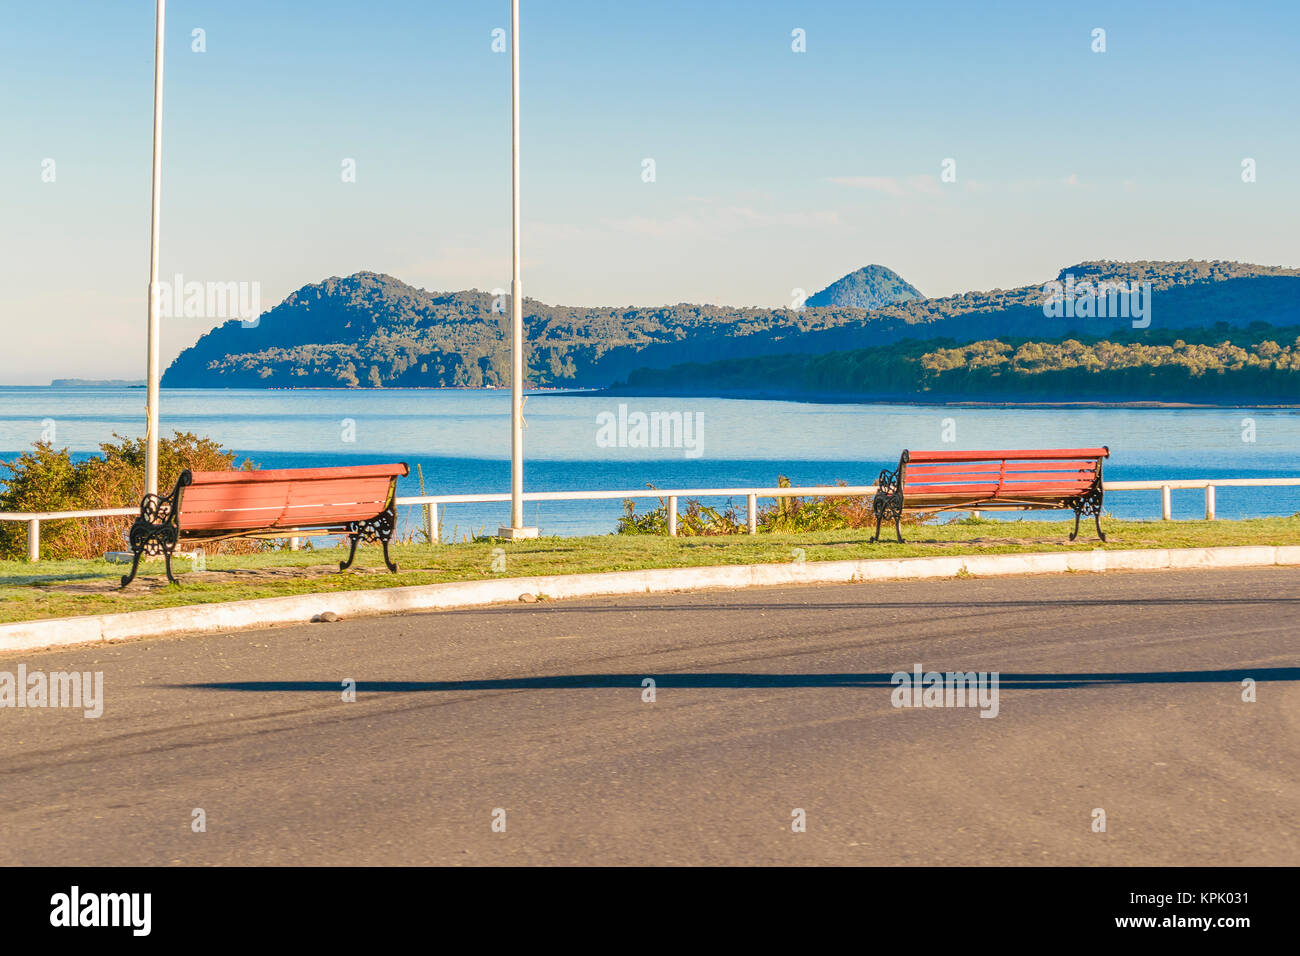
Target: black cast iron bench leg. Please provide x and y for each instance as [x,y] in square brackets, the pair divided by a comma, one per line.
[135,564]
[1096,517]
[378,529]
[355,536]
[880,516]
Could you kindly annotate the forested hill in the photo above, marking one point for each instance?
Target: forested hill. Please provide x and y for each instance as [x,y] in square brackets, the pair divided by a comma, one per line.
[871,287]
[1259,364]
[368,330]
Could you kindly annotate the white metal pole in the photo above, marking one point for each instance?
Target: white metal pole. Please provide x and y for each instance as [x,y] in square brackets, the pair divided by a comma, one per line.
[516,294]
[151,408]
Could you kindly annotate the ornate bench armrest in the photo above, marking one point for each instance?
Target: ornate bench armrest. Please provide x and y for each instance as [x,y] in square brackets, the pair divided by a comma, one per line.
[887,503]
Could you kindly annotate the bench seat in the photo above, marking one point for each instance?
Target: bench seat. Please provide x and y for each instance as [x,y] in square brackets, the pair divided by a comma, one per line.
[359,501]
[1068,479]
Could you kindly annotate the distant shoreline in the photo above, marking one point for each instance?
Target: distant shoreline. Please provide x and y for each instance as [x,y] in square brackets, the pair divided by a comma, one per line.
[841,398]
[761,395]
[95,383]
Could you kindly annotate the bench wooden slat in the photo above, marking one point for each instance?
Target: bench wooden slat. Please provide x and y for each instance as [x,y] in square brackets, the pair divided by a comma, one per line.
[974,493]
[333,513]
[929,477]
[285,518]
[998,467]
[312,488]
[990,503]
[234,498]
[222,497]
[1030,478]
[398,470]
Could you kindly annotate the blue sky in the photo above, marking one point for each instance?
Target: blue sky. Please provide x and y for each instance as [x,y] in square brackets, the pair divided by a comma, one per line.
[775,170]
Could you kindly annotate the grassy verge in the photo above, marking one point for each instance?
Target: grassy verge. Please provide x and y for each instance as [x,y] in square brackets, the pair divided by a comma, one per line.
[68,588]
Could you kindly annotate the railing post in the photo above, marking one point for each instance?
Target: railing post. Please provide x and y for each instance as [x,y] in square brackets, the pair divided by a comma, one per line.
[672,516]
[34,539]
[431,522]
[1166,503]
[753,514]
[1209,502]
[295,544]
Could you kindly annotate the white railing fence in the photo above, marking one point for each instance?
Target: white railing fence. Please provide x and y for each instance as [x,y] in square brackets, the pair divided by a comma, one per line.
[430,503]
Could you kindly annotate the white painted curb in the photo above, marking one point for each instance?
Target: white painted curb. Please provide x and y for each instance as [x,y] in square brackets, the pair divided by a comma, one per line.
[301,608]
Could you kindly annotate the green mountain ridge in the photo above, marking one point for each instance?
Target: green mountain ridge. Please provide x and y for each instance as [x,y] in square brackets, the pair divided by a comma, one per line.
[370,330]
[1219,365]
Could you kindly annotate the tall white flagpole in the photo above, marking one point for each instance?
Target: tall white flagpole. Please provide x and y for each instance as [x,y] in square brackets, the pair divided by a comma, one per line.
[516,529]
[151,408]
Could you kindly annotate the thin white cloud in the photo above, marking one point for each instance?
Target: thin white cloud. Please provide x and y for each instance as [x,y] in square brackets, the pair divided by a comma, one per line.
[920,184]
[881,184]
[929,185]
[459,266]
[726,220]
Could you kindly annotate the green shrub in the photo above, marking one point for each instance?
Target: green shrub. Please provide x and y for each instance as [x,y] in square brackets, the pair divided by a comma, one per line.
[697,519]
[786,515]
[44,479]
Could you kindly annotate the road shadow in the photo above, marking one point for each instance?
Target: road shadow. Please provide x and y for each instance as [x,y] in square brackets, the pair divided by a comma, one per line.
[749,681]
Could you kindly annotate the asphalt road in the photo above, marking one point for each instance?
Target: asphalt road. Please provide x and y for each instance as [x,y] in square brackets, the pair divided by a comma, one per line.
[1119,692]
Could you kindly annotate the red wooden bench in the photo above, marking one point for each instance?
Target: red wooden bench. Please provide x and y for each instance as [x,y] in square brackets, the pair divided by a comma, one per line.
[360,502]
[1067,479]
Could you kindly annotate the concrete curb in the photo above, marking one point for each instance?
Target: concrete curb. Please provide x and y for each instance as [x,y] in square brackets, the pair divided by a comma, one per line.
[301,608]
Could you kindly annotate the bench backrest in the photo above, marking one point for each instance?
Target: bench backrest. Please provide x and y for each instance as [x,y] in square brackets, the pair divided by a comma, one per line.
[1005,473]
[287,497]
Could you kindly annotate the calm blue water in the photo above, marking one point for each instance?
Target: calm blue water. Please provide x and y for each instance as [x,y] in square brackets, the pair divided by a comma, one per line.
[461,439]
